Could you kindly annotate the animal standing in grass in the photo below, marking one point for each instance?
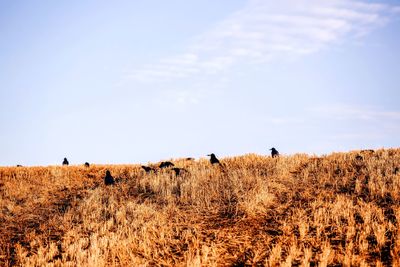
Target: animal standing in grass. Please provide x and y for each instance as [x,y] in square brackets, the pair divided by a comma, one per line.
[148,169]
[274,152]
[166,164]
[65,162]
[213,159]
[179,171]
[87,164]
[108,179]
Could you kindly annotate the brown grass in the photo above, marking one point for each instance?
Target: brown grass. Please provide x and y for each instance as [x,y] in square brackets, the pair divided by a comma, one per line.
[335,210]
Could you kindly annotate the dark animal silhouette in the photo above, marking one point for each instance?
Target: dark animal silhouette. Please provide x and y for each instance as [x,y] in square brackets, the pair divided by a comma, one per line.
[108,179]
[166,164]
[274,152]
[213,159]
[19,165]
[179,171]
[65,162]
[87,164]
[148,169]
[190,159]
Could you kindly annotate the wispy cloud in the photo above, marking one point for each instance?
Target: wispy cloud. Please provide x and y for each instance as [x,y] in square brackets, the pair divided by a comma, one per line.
[360,113]
[266,29]
[368,122]
[292,120]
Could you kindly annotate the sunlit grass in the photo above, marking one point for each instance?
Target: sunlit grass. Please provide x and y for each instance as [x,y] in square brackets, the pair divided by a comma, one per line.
[293,210]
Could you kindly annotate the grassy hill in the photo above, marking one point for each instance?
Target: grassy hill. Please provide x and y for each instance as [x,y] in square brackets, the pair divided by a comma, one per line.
[340,209]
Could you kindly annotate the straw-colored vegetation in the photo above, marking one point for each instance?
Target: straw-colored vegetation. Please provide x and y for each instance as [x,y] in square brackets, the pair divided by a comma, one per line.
[336,210]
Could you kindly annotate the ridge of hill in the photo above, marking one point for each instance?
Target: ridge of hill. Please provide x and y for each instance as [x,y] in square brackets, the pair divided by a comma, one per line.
[299,210]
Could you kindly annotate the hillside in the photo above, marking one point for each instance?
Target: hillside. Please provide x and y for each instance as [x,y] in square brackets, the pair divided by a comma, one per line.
[341,209]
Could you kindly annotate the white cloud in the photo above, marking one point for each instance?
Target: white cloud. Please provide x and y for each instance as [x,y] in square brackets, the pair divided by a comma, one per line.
[283,120]
[266,29]
[370,125]
[362,113]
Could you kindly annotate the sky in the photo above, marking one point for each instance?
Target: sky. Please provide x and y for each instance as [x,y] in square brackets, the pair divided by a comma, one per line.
[124,81]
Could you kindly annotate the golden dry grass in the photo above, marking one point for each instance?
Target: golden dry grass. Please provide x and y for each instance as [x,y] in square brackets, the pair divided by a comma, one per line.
[336,210]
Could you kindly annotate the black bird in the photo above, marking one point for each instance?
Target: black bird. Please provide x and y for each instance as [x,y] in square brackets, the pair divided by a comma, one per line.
[19,165]
[87,164]
[65,162]
[274,152]
[108,180]
[179,171]
[148,169]
[358,157]
[213,159]
[166,164]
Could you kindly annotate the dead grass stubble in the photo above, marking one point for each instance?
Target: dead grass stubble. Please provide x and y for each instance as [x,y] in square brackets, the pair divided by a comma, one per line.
[296,211]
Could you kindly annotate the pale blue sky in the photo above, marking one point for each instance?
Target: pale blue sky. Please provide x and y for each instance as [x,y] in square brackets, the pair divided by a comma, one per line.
[139,81]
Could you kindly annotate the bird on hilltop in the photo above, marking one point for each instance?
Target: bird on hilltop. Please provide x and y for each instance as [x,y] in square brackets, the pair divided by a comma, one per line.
[274,152]
[148,169]
[65,162]
[87,164]
[179,171]
[166,164]
[213,159]
[108,179]
[359,158]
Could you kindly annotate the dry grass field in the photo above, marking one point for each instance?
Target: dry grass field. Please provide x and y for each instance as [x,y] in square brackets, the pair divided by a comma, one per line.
[341,209]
